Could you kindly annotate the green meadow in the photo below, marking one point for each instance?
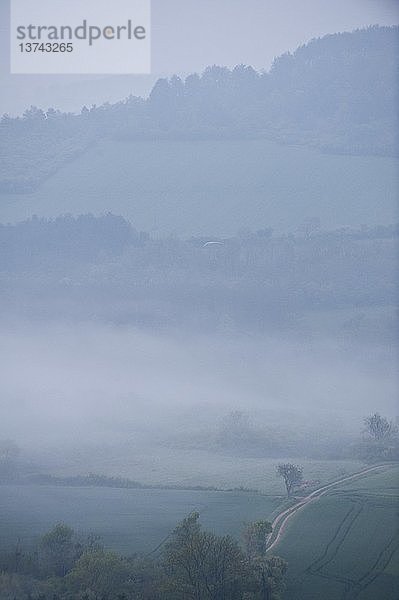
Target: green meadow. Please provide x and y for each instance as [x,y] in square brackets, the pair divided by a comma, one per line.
[215,187]
[345,545]
[127,520]
[131,520]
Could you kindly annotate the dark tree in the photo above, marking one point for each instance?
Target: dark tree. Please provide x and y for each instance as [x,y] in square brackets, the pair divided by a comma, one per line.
[266,572]
[292,475]
[203,566]
[59,549]
[255,538]
[379,427]
[102,574]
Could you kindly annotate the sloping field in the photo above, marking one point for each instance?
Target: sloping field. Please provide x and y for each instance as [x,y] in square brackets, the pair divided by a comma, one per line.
[131,520]
[193,466]
[127,520]
[215,187]
[345,545]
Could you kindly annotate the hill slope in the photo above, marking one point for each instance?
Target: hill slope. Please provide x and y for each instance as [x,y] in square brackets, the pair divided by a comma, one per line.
[345,545]
[215,187]
[338,93]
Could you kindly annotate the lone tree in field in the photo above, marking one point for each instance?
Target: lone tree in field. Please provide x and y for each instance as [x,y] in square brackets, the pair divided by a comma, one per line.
[292,475]
[378,427]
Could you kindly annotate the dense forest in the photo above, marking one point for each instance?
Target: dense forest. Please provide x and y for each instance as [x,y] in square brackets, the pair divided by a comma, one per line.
[337,93]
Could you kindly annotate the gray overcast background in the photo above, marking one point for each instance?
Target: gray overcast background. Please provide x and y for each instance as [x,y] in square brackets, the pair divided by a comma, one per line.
[187,36]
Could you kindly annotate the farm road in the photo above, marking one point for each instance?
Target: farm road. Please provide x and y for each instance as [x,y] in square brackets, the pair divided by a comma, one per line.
[279,523]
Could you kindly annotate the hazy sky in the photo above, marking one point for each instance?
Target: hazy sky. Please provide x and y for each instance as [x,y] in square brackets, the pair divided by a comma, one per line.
[188,35]
[253,32]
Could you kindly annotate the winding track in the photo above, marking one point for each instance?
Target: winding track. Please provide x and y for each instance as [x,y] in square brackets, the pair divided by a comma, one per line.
[279,522]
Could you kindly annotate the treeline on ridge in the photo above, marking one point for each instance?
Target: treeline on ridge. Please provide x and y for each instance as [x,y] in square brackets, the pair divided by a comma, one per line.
[337,93]
[102,268]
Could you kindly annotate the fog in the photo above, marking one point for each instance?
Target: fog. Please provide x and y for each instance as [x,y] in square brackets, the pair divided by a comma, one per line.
[76,385]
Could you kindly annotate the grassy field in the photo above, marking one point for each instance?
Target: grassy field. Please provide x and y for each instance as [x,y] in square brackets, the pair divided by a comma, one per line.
[127,520]
[343,546]
[190,467]
[215,187]
[346,544]
[131,520]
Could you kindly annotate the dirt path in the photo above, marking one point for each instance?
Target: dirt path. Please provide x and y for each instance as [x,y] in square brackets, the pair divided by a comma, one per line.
[279,523]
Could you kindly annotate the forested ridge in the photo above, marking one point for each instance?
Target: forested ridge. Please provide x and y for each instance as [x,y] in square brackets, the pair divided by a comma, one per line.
[337,94]
[103,268]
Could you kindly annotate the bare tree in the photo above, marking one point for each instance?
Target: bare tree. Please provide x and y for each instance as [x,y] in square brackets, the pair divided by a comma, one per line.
[378,427]
[292,475]
[9,452]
